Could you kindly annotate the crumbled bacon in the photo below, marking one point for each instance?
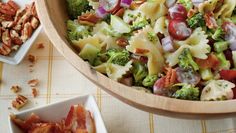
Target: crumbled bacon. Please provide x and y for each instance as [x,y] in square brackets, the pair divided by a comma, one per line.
[19,102]
[210,20]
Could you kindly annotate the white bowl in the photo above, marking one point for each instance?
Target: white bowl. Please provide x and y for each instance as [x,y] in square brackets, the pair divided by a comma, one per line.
[57,111]
[16,57]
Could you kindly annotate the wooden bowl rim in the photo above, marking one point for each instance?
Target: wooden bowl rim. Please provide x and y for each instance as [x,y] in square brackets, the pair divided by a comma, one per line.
[144,101]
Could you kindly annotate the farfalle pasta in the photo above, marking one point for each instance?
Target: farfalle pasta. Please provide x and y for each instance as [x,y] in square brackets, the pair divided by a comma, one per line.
[153,9]
[154,54]
[184,50]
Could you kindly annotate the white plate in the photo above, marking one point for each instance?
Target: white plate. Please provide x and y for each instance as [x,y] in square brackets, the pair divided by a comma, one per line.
[16,57]
[58,111]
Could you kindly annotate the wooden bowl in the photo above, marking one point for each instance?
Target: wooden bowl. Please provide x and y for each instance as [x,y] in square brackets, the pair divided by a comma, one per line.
[53,16]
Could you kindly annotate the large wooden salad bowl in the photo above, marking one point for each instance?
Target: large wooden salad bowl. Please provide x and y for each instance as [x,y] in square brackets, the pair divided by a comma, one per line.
[53,16]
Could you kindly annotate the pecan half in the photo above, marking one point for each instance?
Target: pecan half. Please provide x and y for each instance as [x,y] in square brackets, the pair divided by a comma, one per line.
[34,22]
[171,77]
[15,88]
[31,58]
[141,51]
[34,92]
[5,50]
[88,19]
[19,102]
[33,82]
[122,42]
[26,32]
[6,39]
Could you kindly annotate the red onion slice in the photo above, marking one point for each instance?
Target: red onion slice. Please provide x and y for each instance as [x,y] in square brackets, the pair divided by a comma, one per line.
[101,12]
[167,44]
[126,3]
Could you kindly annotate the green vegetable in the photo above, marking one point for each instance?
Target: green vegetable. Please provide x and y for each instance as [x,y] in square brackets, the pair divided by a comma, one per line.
[119,25]
[196,20]
[76,7]
[186,3]
[139,23]
[152,37]
[218,34]
[187,92]
[89,52]
[234,58]
[139,72]
[120,57]
[186,60]
[233,18]
[224,63]
[76,31]
[206,74]
[101,58]
[150,80]
[221,46]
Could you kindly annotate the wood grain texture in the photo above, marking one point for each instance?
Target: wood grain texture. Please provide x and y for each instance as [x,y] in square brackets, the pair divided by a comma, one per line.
[53,16]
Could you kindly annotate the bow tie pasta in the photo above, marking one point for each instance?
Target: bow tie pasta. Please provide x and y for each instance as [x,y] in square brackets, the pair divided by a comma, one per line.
[154,50]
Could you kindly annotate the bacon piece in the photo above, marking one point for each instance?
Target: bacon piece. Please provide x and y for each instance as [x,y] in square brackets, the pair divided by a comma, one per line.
[13,5]
[210,20]
[211,62]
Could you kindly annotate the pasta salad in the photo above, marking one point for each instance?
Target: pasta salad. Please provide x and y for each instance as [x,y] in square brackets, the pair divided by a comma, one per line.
[183,49]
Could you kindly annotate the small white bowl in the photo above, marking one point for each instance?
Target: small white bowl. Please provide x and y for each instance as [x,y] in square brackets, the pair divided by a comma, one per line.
[57,111]
[16,57]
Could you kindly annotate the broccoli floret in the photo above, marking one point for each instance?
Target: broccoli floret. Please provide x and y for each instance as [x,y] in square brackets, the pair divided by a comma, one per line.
[196,20]
[76,7]
[221,46]
[139,72]
[186,60]
[150,80]
[139,23]
[187,92]
[76,31]
[186,3]
[152,37]
[101,58]
[119,57]
[218,34]
[224,63]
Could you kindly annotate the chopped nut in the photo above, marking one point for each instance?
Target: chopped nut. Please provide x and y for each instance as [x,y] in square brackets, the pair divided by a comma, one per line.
[35,92]
[19,102]
[122,42]
[15,88]
[34,22]
[5,50]
[26,32]
[32,58]
[88,19]
[33,82]
[141,51]
[40,46]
